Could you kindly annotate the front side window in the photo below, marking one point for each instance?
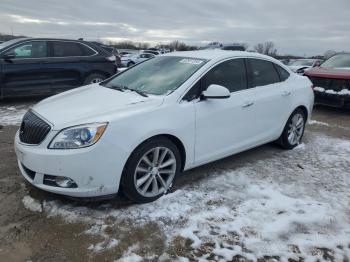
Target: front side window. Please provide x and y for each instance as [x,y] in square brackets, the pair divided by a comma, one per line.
[230,74]
[34,49]
[9,43]
[157,76]
[65,49]
[262,73]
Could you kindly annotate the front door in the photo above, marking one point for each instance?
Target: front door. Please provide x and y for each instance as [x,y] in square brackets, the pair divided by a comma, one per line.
[23,73]
[224,126]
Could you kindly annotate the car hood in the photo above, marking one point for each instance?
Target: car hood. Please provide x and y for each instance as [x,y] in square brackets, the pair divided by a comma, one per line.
[93,103]
[328,72]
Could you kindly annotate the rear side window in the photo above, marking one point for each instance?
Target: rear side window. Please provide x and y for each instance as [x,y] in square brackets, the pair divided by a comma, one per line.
[65,49]
[262,73]
[86,50]
[282,72]
[230,74]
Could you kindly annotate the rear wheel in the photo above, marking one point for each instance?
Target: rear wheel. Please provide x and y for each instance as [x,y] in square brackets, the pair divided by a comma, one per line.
[151,170]
[294,130]
[94,78]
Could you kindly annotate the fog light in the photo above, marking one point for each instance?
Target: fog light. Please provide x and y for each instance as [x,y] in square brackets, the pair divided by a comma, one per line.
[66,182]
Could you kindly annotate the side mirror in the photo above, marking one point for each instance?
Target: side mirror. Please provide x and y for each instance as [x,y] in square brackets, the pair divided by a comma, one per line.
[9,56]
[215,92]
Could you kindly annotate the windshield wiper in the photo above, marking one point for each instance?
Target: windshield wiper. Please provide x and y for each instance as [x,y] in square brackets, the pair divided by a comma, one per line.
[115,87]
[136,91]
[123,88]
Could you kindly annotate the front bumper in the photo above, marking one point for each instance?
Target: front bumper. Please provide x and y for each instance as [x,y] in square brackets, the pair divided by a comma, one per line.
[96,169]
[334,100]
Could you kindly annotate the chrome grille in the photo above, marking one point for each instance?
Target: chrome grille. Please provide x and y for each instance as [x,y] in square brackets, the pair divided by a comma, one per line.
[33,129]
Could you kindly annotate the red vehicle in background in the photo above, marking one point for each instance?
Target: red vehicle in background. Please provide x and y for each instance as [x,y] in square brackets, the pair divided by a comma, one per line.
[332,81]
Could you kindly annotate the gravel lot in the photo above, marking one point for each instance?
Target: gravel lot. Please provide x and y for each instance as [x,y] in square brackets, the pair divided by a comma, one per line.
[262,205]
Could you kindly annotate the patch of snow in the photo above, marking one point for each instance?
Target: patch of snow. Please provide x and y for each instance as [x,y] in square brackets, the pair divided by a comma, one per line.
[344,92]
[130,256]
[315,122]
[107,244]
[269,206]
[319,89]
[12,115]
[300,146]
[32,204]
[331,91]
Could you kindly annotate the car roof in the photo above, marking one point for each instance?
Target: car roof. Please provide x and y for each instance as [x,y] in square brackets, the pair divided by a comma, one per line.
[53,39]
[215,54]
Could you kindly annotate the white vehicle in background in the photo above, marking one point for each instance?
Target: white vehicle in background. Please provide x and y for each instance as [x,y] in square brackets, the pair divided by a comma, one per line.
[138,130]
[133,59]
[300,65]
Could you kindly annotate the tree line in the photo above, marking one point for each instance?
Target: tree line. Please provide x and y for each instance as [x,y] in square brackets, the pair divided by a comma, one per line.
[267,48]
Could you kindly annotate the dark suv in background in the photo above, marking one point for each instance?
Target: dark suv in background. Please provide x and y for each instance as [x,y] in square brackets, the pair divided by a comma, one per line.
[42,66]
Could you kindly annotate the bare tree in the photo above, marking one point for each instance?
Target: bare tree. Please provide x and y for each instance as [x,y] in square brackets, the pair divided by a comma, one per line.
[259,48]
[267,48]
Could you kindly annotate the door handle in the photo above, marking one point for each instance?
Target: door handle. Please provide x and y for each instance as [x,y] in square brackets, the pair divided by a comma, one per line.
[286,93]
[247,104]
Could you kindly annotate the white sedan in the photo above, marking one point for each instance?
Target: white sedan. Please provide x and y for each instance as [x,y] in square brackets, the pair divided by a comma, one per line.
[133,59]
[140,129]
[300,65]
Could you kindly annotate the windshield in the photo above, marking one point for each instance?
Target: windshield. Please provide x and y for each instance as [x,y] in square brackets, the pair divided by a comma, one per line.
[301,62]
[157,76]
[8,43]
[341,60]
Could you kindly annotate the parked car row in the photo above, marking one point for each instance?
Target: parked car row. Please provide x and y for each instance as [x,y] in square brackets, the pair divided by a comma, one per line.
[300,65]
[229,47]
[43,66]
[133,59]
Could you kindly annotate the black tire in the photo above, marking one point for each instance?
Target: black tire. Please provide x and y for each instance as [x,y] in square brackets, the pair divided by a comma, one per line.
[283,140]
[94,78]
[128,186]
[130,64]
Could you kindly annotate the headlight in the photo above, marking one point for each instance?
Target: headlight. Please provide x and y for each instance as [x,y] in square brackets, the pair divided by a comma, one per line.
[78,136]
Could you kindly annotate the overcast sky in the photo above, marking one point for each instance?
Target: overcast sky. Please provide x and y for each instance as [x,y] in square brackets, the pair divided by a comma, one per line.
[296,26]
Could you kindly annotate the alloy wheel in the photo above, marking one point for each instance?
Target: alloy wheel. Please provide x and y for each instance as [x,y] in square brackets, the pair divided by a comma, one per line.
[155,172]
[296,129]
[96,80]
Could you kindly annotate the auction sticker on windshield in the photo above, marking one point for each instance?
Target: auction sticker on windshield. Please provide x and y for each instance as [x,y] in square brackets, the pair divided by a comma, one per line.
[191,61]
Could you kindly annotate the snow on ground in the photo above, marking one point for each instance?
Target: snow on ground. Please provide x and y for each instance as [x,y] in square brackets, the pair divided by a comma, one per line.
[315,122]
[292,204]
[12,115]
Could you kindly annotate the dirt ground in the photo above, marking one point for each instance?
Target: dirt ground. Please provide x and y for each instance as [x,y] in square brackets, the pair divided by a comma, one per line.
[26,235]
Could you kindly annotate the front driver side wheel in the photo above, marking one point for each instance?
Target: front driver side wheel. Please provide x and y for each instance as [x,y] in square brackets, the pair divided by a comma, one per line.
[293,130]
[151,170]
[94,78]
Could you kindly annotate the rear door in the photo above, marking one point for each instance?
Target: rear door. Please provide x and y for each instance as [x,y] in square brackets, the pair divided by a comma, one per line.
[272,93]
[68,65]
[24,75]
